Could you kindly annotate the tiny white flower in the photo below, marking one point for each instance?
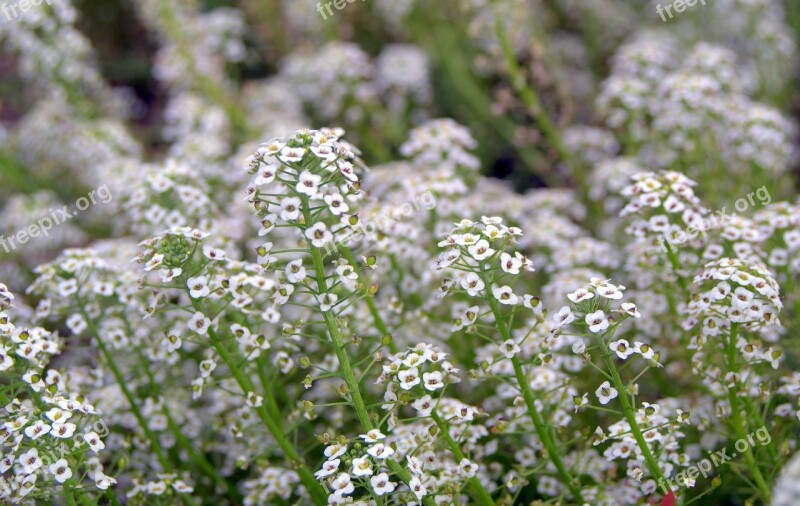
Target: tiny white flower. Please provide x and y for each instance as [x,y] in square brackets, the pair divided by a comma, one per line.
[319,235]
[362,466]
[630,309]
[510,264]
[37,430]
[94,441]
[61,470]
[563,317]
[308,183]
[199,323]
[480,250]
[198,287]
[408,378]
[596,321]
[432,380]
[380,451]
[473,284]
[605,392]
[290,208]
[381,484]
[579,295]
[504,295]
[621,348]
[30,461]
[327,301]
[328,468]
[509,348]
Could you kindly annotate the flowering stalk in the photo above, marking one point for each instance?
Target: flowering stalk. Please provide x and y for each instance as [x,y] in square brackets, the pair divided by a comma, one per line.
[123,385]
[538,421]
[316,491]
[345,368]
[736,414]
[475,483]
[627,408]
[531,99]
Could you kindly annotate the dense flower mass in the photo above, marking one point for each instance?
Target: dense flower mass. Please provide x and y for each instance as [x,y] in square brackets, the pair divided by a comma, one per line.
[489,252]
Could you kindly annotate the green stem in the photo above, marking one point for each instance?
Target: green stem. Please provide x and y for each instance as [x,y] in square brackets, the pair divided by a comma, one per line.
[483,496]
[123,385]
[373,308]
[318,494]
[736,416]
[345,368]
[538,422]
[531,99]
[630,413]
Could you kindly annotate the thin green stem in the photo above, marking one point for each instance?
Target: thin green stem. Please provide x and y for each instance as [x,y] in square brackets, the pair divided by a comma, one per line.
[538,422]
[318,494]
[736,416]
[345,368]
[483,496]
[630,413]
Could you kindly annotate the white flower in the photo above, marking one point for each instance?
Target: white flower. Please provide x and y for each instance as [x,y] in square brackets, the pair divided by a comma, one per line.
[621,348]
[308,183]
[467,469]
[213,253]
[408,378]
[63,430]
[30,461]
[198,287]
[417,488]
[609,291]
[509,348]
[380,451]
[373,436]
[295,272]
[630,309]
[37,430]
[61,470]
[102,481]
[480,250]
[424,405]
[510,264]
[381,484]
[336,204]
[290,208]
[289,155]
[94,441]
[432,380]
[563,317]
[199,323]
[328,468]
[472,283]
[643,349]
[362,466]
[578,347]
[741,298]
[579,295]
[335,450]
[505,295]
[319,235]
[606,392]
[596,321]
[327,301]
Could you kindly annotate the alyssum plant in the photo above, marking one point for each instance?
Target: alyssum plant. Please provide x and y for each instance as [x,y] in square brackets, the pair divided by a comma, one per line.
[291,376]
